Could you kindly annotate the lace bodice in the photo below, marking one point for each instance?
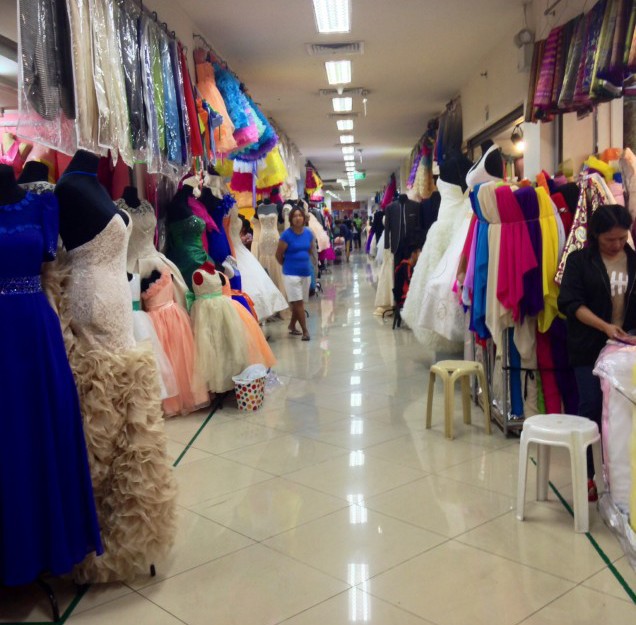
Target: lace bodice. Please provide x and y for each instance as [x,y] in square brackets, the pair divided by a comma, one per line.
[211,284]
[235,225]
[268,241]
[28,236]
[38,187]
[142,236]
[99,295]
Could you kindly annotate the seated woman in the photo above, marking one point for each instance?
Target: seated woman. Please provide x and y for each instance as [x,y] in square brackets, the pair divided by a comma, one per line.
[597,296]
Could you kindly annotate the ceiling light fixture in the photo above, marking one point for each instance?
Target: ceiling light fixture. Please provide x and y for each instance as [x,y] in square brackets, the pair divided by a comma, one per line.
[338,72]
[344,124]
[517,138]
[342,105]
[349,157]
[347,139]
[348,149]
[333,16]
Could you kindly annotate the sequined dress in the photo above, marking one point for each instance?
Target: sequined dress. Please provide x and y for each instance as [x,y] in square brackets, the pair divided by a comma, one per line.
[47,510]
[267,245]
[120,398]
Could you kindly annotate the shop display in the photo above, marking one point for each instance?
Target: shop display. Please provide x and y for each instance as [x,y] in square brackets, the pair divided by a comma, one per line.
[48,521]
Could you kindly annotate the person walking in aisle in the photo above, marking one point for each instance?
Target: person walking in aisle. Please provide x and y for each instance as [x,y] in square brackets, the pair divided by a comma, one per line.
[294,252]
[597,296]
[357,231]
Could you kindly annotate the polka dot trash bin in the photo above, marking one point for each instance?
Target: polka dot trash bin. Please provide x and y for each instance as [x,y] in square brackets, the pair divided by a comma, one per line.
[249,388]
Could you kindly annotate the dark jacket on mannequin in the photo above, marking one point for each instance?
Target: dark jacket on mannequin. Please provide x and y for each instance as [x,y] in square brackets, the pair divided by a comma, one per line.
[34,171]
[403,224]
[85,206]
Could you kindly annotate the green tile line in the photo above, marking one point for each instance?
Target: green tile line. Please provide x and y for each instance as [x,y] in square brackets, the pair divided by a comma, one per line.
[621,580]
[215,407]
[84,589]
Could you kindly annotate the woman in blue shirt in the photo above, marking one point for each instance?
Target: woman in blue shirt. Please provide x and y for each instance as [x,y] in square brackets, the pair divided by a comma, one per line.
[294,254]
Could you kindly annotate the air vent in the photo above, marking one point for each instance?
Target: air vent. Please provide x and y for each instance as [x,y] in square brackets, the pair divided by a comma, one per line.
[331,49]
[359,91]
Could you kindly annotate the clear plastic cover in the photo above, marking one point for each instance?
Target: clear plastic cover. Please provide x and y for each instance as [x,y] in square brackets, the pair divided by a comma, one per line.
[127,19]
[153,150]
[173,134]
[180,85]
[85,95]
[45,76]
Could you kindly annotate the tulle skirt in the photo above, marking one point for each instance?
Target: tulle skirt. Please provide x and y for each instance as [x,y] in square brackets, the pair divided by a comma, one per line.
[172,325]
[274,270]
[259,351]
[221,349]
[384,292]
[145,331]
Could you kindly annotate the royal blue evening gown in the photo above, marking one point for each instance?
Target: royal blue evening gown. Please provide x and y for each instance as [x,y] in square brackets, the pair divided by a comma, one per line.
[48,521]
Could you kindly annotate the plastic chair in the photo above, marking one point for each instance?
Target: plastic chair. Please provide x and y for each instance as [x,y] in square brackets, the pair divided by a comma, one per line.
[449,372]
[560,430]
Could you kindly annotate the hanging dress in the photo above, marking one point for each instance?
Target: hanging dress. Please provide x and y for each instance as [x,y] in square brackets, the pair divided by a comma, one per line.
[184,246]
[48,521]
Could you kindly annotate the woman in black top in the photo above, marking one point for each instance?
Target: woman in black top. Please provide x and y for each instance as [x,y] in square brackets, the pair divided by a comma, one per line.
[597,296]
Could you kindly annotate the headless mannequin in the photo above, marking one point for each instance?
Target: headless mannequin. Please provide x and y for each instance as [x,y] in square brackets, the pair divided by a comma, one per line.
[454,171]
[34,171]
[266,208]
[488,167]
[131,197]
[10,192]
[150,280]
[85,206]
[178,209]
[403,226]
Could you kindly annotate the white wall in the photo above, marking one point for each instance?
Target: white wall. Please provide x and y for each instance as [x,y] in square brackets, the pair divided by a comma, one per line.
[9,19]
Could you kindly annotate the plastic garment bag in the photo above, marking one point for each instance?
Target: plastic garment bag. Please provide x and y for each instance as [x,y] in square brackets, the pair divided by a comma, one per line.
[85,95]
[153,151]
[173,134]
[46,96]
[127,26]
[180,86]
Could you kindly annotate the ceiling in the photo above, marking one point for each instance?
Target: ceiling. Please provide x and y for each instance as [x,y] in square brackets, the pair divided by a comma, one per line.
[417,56]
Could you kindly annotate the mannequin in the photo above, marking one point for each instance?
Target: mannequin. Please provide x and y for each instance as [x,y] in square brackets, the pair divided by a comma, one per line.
[403,226]
[131,197]
[10,192]
[34,171]
[85,206]
[178,208]
[267,207]
[488,167]
[431,308]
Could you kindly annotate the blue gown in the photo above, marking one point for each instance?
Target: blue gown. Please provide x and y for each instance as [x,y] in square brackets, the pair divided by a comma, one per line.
[48,521]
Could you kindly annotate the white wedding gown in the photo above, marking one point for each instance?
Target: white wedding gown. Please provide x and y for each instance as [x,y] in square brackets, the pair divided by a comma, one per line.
[431,308]
[268,300]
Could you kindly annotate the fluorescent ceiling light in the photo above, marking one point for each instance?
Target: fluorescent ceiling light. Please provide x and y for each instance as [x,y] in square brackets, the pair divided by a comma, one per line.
[344,124]
[346,139]
[342,105]
[349,157]
[348,149]
[350,166]
[338,72]
[333,16]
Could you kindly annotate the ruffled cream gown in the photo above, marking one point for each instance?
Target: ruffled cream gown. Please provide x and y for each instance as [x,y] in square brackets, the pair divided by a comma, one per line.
[119,393]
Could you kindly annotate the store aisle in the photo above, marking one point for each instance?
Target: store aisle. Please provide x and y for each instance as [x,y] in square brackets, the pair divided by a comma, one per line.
[333,504]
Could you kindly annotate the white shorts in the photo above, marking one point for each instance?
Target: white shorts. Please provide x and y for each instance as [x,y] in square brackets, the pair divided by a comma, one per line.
[297,287]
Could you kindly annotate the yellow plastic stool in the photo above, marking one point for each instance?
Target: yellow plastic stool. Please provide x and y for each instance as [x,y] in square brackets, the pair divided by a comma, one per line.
[450,371]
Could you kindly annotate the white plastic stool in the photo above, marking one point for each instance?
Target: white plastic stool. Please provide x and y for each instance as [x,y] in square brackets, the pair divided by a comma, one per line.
[560,430]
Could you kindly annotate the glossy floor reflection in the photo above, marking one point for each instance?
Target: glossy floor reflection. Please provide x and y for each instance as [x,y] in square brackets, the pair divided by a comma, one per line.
[333,504]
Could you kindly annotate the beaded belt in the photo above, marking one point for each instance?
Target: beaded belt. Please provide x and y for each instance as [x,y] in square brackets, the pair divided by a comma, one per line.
[20,285]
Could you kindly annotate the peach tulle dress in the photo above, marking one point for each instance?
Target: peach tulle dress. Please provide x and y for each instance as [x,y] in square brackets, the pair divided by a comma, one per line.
[173,328]
[259,351]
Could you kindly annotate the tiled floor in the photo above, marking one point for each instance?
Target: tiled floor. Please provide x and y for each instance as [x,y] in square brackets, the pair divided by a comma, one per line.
[334,505]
